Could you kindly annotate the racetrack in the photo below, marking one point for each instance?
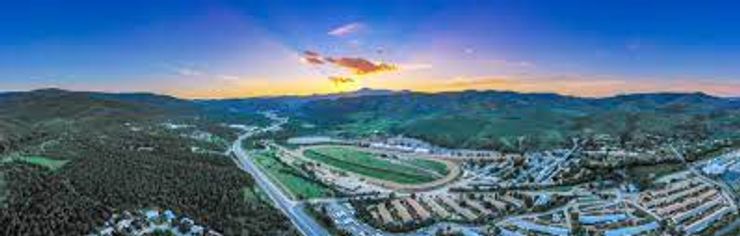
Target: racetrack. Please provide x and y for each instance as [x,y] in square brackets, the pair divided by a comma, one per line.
[453,170]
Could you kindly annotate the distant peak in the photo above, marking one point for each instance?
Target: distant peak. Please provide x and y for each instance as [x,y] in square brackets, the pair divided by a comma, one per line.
[50,90]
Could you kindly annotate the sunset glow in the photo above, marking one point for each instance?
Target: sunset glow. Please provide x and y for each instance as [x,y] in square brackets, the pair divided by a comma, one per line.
[212,49]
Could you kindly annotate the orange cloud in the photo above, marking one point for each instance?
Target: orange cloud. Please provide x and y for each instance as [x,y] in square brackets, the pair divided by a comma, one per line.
[360,66]
[340,80]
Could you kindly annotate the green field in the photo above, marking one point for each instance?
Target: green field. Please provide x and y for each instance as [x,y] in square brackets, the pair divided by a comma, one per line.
[298,186]
[255,194]
[435,166]
[371,165]
[49,163]
[658,170]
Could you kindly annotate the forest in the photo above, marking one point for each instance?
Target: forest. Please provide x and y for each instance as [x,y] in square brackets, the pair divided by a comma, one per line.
[118,159]
[508,121]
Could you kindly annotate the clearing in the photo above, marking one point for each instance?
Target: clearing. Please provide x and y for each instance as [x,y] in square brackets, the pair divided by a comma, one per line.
[49,163]
[298,186]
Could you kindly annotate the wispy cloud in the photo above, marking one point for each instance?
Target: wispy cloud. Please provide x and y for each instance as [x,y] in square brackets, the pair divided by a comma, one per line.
[311,57]
[347,29]
[185,71]
[188,72]
[414,66]
[229,77]
[508,63]
[634,45]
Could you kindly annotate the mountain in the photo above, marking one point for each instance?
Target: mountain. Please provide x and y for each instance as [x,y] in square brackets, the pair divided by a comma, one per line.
[496,119]
[45,104]
[470,119]
[25,116]
[363,92]
[289,103]
[115,156]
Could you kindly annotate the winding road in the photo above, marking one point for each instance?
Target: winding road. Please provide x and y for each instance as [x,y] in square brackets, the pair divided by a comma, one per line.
[293,210]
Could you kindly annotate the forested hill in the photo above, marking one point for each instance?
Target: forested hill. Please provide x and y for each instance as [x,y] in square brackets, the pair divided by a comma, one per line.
[54,103]
[27,114]
[100,165]
[455,119]
[493,119]
[69,160]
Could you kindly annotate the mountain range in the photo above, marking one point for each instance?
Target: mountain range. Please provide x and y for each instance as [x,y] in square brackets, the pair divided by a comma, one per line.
[459,119]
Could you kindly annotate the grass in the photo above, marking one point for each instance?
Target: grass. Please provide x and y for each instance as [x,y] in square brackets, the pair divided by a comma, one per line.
[296,184]
[366,124]
[658,170]
[255,194]
[369,164]
[438,167]
[249,195]
[49,163]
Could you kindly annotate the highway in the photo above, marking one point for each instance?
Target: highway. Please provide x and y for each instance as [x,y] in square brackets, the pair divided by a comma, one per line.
[293,210]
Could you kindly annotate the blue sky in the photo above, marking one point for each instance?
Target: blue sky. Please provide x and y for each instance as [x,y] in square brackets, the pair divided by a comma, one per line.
[252,48]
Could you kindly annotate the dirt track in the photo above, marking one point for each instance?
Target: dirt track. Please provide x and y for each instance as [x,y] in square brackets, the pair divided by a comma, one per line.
[454,169]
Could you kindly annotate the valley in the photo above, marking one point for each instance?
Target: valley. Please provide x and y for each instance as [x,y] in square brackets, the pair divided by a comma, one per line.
[220,163]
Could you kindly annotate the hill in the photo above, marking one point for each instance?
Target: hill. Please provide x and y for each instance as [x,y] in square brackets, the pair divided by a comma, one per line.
[114,153]
[496,119]
[110,153]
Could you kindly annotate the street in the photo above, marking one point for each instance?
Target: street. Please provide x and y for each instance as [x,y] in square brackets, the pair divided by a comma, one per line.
[302,221]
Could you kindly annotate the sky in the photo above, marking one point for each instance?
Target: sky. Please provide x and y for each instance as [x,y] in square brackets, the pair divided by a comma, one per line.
[219,49]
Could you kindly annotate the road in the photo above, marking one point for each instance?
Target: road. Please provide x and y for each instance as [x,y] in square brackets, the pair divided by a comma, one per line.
[293,210]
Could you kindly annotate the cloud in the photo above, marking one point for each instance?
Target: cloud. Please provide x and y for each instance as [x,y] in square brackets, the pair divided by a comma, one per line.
[312,60]
[358,68]
[184,71]
[347,29]
[361,66]
[311,57]
[414,66]
[356,65]
[508,63]
[309,53]
[341,80]
[229,77]
[633,45]
[188,72]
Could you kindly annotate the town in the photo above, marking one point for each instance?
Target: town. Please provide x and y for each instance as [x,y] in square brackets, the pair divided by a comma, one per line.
[403,186]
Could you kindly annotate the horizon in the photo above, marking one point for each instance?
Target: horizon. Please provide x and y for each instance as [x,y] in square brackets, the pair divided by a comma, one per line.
[372,89]
[223,49]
